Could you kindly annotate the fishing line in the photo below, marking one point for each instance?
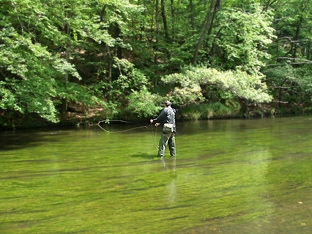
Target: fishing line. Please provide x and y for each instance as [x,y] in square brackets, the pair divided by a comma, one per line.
[130,129]
[107,122]
[155,141]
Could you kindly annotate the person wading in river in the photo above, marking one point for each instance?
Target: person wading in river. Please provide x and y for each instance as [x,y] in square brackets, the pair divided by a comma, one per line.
[167,118]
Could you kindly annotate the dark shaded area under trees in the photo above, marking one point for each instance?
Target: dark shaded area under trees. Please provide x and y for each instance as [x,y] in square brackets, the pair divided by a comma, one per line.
[80,61]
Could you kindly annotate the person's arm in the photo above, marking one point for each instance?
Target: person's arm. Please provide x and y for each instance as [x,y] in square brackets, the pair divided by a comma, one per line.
[160,118]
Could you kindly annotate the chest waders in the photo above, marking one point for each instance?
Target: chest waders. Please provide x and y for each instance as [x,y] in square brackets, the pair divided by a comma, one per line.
[167,139]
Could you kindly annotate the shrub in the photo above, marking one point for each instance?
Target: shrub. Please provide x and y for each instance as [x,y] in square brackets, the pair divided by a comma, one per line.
[143,104]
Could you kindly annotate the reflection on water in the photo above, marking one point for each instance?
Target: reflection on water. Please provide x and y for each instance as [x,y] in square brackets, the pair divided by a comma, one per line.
[171,186]
[229,176]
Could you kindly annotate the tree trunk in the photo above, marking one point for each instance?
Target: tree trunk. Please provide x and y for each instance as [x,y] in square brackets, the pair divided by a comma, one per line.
[294,45]
[172,17]
[110,79]
[214,46]
[308,50]
[192,14]
[268,4]
[119,49]
[213,9]
[164,17]
[157,26]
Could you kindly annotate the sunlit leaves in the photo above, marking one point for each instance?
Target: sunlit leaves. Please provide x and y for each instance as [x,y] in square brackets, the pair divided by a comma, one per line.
[129,77]
[243,37]
[34,40]
[239,83]
[8,99]
[143,103]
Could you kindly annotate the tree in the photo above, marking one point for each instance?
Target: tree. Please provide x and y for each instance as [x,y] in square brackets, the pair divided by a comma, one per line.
[163,14]
[241,39]
[214,7]
[41,40]
[288,73]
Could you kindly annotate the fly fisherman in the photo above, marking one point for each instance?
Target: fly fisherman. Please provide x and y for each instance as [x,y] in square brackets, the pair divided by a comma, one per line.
[166,117]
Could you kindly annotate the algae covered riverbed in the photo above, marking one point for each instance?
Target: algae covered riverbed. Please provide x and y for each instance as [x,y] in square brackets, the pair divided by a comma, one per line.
[229,176]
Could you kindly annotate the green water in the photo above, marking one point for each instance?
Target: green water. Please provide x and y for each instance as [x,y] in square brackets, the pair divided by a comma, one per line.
[229,176]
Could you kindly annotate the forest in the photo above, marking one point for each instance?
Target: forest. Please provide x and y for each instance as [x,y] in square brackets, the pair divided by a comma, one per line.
[82,61]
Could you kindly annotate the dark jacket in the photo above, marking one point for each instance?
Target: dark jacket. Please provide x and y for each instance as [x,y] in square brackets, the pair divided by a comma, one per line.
[167,115]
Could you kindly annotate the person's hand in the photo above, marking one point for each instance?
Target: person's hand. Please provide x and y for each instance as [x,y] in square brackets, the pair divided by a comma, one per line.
[151,120]
[156,124]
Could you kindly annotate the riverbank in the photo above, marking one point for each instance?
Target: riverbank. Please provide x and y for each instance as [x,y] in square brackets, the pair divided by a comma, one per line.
[79,116]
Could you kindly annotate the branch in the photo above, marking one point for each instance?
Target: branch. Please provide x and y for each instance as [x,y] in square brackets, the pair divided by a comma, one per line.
[280,102]
[281,64]
[22,26]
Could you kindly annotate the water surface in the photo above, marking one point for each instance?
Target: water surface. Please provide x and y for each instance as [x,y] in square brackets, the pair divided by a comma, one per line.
[229,176]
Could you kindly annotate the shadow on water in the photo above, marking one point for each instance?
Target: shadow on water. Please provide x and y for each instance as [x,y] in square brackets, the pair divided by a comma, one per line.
[143,155]
[25,139]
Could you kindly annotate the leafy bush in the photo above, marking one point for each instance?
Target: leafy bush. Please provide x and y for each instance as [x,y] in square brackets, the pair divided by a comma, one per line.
[240,84]
[130,78]
[143,104]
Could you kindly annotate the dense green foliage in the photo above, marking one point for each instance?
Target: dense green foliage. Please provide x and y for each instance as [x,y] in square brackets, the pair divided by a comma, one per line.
[123,58]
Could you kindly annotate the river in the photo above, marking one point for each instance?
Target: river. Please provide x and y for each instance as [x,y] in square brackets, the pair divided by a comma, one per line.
[229,176]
